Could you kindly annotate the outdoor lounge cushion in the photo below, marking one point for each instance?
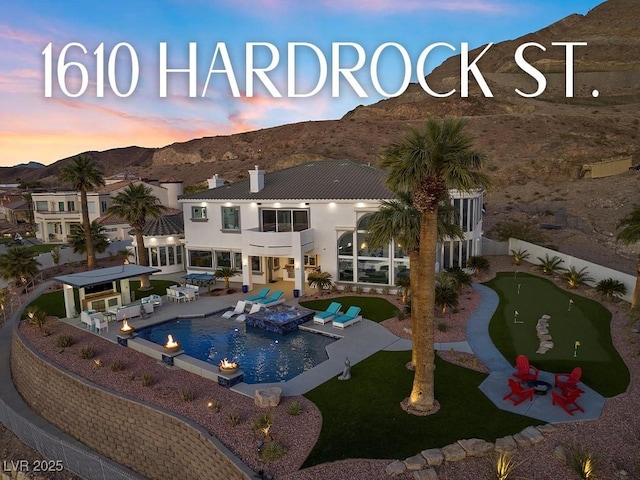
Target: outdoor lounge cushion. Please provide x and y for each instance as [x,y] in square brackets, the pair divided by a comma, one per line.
[272,299]
[351,316]
[259,296]
[328,314]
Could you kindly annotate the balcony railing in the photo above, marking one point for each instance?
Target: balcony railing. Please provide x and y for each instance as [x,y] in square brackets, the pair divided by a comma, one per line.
[283,244]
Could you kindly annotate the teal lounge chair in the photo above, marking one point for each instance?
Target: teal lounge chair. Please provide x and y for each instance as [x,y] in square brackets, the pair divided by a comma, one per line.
[328,315]
[351,316]
[261,295]
[274,299]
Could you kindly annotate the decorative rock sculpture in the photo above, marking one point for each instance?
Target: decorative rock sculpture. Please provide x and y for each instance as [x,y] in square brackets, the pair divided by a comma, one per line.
[346,373]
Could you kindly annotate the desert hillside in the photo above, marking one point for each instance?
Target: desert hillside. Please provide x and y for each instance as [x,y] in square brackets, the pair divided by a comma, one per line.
[536,147]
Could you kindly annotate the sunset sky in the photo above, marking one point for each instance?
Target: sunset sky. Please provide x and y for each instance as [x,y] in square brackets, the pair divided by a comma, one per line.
[36,128]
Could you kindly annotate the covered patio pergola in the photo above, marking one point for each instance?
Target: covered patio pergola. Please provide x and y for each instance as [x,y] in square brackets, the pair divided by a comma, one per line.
[98,289]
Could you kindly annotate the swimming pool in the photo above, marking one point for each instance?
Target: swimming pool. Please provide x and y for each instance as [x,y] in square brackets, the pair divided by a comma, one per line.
[264,356]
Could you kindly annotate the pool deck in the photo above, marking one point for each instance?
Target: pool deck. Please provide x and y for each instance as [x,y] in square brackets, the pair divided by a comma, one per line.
[365,338]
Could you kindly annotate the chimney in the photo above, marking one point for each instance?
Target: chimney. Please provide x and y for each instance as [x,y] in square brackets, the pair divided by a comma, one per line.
[215,181]
[256,180]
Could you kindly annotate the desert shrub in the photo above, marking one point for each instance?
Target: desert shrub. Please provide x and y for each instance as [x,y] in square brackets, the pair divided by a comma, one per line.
[385,291]
[294,408]
[347,288]
[187,395]
[38,318]
[233,419]
[583,462]
[272,451]
[446,296]
[64,341]
[479,263]
[214,405]
[263,424]
[504,466]
[116,366]
[442,327]
[359,290]
[86,352]
[147,379]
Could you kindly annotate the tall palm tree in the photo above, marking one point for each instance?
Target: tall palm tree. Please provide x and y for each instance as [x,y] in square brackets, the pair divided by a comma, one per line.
[630,234]
[82,175]
[136,204]
[426,163]
[18,264]
[399,220]
[99,239]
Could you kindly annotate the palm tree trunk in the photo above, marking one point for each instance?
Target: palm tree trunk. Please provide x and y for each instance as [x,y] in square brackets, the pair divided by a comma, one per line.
[414,261]
[423,302]
[143,259]
[86,225]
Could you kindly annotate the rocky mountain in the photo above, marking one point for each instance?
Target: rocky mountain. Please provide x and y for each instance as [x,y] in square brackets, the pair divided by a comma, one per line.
[536,146]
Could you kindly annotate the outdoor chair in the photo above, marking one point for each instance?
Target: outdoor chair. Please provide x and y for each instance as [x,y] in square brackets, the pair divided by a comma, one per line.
[518,394]
[236,311]
[524,371]
[100,323]
[259,296]
[274,299]
[568,401]
[352,315]
[568,381]
[156,300]
[254,309]
[328,315]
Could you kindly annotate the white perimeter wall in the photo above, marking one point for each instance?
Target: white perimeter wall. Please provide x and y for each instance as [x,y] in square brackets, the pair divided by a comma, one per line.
[597,272]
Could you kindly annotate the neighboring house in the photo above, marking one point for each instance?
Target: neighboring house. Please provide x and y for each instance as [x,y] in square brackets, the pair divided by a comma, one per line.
[281,225]
[55,213]
[16,211]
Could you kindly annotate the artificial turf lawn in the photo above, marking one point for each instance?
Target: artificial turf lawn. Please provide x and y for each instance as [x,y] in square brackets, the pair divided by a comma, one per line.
[375,309]
[53,302]
[362,417]
[585,321]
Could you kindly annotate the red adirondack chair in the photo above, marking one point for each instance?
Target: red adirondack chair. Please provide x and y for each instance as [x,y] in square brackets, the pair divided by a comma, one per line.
[568,381]
[568,402]
[518,394]
[525,372]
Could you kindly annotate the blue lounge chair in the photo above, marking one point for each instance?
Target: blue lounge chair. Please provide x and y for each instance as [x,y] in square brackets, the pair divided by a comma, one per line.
[351,316]
[328,314]
[261,295]
[274,299]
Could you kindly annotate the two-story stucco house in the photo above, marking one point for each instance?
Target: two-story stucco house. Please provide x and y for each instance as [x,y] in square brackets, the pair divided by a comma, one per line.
[281,225]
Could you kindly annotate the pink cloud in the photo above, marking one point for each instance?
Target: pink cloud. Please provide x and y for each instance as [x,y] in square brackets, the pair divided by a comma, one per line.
[24,36]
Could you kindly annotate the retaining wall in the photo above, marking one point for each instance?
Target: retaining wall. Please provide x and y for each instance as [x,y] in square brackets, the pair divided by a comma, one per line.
[150,441]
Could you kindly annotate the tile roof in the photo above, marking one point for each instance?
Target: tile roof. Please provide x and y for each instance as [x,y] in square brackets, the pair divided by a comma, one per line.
[111,219]
[321,180]
[165,225]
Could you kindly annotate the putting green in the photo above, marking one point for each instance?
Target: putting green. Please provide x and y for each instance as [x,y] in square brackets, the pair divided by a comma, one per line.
[579,329]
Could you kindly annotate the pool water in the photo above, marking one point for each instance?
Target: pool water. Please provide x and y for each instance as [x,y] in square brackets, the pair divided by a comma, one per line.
[264,357]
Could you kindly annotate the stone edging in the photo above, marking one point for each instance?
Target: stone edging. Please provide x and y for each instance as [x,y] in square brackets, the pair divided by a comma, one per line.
[423,464]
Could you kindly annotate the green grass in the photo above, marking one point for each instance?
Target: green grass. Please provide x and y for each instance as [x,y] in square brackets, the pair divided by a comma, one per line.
[362,417]
[53,302]
[36,250]
[587,322]
[373,308]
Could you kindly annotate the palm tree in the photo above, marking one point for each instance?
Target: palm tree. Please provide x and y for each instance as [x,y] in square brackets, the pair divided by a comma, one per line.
[446,296]
[610,288]
[226,273]
[426,164]
[574,277]
[99,238]
[83,176]
[320,280]
[630,234]
[479,264]
[519,255]
[550,265]
[399,220]
[135,204]
[18,264]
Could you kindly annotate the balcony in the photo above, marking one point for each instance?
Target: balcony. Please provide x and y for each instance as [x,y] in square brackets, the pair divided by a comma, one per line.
[276,244]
